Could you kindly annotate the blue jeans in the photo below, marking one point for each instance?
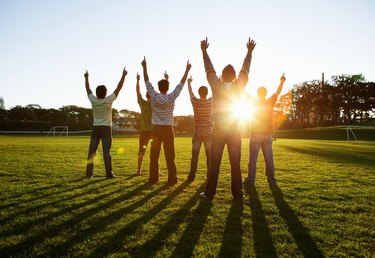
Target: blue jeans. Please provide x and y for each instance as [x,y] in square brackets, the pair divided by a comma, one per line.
[105,134]
[261,141]
[221,136]
[201,135]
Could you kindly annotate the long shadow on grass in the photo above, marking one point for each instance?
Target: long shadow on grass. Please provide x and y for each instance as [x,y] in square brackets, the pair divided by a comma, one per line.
[35,208]
[263,244]
[336,155]
[232,238]
[54,230]
[300,233]
[157,242]
[101,224]
[190,237]
[45,195]
[36,190]
[116,242]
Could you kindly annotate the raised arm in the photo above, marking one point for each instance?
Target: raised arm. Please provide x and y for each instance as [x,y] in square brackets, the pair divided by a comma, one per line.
[87,84]
[184,77]
[137,89]
[189,87]
[121,82]
[210,70]
[280,88]
[244,73]
[166,76]
[145,74]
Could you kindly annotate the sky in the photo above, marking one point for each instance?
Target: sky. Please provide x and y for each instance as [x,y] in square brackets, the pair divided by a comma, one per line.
[46,46]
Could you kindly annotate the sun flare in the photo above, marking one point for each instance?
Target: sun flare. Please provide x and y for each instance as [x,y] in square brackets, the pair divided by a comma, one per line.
[242,110]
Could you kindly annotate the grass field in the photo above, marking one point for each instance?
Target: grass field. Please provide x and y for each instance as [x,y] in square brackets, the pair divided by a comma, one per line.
[323,205]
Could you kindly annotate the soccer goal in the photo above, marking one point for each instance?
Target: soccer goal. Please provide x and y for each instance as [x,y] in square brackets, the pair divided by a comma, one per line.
[350,135]
[58,130]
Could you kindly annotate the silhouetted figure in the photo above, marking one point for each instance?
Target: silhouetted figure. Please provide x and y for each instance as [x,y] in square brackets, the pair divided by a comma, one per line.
[226,92]
[162,119]
[146,128]
[102,129]
[261,133]
[202,108]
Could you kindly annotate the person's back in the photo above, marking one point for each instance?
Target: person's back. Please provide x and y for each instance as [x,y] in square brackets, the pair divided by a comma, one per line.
[102,124]
[202,108]
[262,115]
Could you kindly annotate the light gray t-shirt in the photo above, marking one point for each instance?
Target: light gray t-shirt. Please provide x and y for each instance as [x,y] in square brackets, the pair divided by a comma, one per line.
[102,109]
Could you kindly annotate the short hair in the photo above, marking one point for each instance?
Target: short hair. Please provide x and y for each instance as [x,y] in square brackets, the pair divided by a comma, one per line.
[228,74]
[163,85]
[203,91]
[262,92]
[101,91]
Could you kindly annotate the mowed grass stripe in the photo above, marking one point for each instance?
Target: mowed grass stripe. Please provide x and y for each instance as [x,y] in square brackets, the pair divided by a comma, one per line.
[323,206]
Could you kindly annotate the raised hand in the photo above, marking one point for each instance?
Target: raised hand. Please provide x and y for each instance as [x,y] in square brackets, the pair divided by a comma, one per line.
[250,45]
[86,74]
[124,72]
[282,78]
[138,77]
[190,79]
[166,76]
[188,66]
[144,63]
[204,44]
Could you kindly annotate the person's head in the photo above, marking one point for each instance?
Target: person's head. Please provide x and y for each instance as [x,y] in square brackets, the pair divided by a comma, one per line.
[163,85]
[101,91]
[148,96]
[228,74]
[262,92]
[203,91]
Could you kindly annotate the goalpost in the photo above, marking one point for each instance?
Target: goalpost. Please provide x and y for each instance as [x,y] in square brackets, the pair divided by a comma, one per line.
[349,130]
[59,130]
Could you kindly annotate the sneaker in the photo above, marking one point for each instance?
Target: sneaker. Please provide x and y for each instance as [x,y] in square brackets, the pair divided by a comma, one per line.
[272,182]
[111,176]
[204,196]
[239,199]
[190,179]
[247,182]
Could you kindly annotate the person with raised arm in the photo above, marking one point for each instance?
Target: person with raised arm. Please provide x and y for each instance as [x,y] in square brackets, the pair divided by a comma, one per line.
[261,133]
[146,129]
[102,125]
[162,105]
[226,91]
[202,108]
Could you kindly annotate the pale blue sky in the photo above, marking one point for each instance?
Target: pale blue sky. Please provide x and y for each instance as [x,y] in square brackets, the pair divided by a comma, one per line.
[46,46]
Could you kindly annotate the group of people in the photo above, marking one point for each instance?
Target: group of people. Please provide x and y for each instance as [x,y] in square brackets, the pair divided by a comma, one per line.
[213,124]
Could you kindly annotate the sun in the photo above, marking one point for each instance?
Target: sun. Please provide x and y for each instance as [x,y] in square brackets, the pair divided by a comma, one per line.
[242,110]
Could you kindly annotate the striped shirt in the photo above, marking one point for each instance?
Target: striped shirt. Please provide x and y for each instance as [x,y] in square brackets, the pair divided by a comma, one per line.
[163,104]
[202,111]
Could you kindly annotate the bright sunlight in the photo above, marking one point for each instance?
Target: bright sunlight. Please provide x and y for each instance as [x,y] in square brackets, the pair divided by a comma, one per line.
[242,110]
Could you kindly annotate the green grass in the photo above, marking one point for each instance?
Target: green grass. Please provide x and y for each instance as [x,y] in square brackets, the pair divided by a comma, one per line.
[323,205]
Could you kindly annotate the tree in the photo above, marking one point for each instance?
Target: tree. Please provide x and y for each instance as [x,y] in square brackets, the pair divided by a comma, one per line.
[2,104]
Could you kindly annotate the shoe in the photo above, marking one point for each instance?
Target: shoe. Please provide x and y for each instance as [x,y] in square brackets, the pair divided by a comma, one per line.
[247,182]
[239,199]
[272,182]
[204,196]
[111,176]
[190,179]
[89,176]
[152,182]
[172,182]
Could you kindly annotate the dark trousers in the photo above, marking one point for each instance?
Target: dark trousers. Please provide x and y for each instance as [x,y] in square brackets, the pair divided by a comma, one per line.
[162,134]
[221,136]
[103,133]
[202,134]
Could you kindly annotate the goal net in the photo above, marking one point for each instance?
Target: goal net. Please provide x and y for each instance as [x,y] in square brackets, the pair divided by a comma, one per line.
[350,133]
[58,130]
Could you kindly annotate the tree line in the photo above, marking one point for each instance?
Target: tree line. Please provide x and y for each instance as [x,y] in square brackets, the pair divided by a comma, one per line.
[345,99]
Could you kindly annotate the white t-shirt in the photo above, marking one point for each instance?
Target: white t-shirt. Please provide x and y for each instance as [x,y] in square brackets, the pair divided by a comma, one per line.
[102,109]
